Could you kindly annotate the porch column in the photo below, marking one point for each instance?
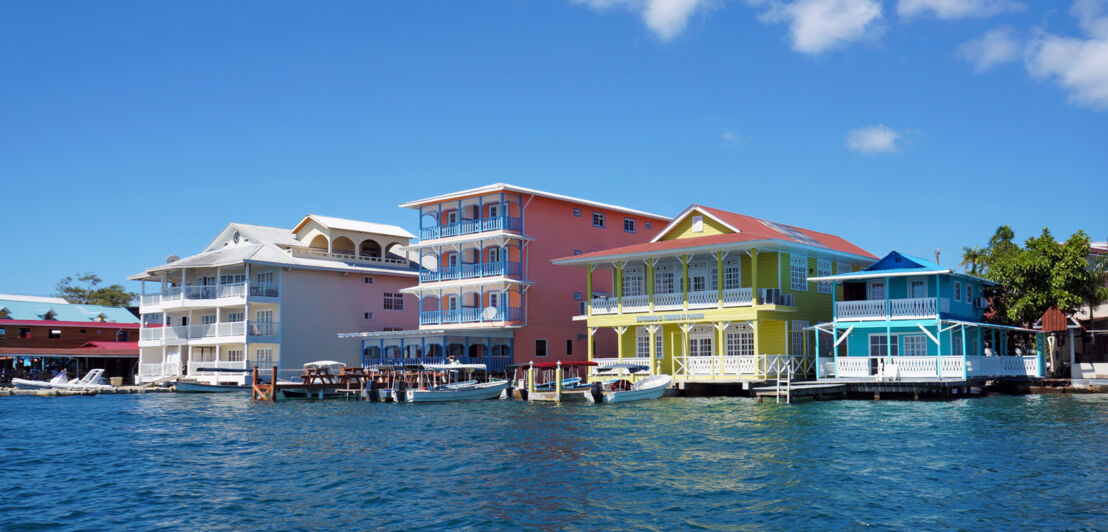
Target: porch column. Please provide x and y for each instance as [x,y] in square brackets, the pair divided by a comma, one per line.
[817,344]
[650,282]
[589,346]
[754,284]
[588,289]
[719,278]
[652,349]
[685,345]
[619,287]
[1073,360]
[755,327]
[888,325]
[685,282]
[619,341]
[965,371]
[939,347]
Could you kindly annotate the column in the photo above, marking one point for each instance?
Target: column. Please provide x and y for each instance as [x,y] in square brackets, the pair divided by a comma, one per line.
[817,344]
[719,277]
[619,287]
[650,282]
[965,371]
[589,347]
[685,282]
[754,282]
[588,289]
[653,349]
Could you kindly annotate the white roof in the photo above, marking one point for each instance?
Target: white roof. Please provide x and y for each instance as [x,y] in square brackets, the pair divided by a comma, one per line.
[357,225]
[451,367]
[504,187]
[34,299]
[266,254]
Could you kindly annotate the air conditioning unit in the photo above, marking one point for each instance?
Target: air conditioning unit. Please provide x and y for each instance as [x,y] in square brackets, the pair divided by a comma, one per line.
[982,303]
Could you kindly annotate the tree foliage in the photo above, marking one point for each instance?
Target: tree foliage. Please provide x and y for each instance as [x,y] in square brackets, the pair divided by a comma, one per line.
[1044,273]
[83,290]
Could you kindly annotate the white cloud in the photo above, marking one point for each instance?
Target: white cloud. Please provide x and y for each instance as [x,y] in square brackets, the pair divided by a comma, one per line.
[995,47]
[950,9]
[729,136]
[873,139]
[1079,65]
[817,25]
[666,18]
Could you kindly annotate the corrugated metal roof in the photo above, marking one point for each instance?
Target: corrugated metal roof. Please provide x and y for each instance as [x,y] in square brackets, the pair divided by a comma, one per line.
[356,225]
[504,187]
[72,312]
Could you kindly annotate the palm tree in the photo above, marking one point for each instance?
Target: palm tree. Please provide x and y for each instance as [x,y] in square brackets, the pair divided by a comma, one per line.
[972,257]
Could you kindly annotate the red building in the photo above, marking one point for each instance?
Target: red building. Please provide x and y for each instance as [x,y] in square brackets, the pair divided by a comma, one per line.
[488,292]
[41,335]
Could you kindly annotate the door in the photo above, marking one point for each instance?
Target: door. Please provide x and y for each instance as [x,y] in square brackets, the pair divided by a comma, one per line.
[917,288]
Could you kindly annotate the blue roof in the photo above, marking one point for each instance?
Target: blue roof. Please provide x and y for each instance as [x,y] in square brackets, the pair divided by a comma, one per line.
[896,264]
[33,310]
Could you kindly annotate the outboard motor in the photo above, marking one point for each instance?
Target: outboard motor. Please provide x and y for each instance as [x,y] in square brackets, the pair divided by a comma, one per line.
[597,391]
[400,391]
[371,390]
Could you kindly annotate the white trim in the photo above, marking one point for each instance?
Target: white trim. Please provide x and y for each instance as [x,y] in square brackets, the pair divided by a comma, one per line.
[767,246]
[680,218]
[504,187]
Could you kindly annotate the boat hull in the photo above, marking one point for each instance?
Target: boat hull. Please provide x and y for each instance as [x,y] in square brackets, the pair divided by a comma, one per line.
[196,387]
[577,395]
[654,389]
[486,390]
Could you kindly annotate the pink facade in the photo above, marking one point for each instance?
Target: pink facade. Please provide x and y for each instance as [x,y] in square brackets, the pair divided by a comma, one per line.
[487,254]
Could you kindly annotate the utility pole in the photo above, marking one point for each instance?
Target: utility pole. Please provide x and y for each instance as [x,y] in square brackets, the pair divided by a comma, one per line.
[937,253]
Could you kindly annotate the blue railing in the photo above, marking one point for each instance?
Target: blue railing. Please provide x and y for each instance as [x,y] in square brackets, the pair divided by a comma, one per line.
[468,227]
[471,271]
[469,315]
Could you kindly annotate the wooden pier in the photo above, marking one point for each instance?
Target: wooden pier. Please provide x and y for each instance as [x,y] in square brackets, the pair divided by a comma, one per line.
[316,383]
[875,389]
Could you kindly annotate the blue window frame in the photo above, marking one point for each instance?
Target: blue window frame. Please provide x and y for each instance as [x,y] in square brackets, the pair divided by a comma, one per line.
[598,219]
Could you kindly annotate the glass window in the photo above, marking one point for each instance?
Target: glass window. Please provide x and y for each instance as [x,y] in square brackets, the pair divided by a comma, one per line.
[24,332]
[540,348]
[368,279]
[732,275]
[494,211]
[877,290]
[55,333]
[393,301]
[598,219]
[649,226]
[823,267]
[798,273]
[879,346]
[577,212]
[957,290]
[629,225]
[633,282]
[969,294]
[915,345]
[739,343]
[917,288]
[642,344]
[799,337]
[494,254]
[663,282]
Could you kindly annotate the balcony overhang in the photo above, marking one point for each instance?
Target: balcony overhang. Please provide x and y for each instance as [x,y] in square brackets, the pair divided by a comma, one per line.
[499,282]
[491,236]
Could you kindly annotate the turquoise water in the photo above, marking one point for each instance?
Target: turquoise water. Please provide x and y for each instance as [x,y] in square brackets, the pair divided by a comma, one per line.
[222,462]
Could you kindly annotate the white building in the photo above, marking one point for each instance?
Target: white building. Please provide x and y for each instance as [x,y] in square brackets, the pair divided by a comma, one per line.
[265,296]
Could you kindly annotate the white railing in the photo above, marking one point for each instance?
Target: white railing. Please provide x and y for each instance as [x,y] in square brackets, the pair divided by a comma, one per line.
[636,303]
[1002,366]
[150,333]
[607,362]
[899,367]
[263,328]
[921,307]
[737,296]
[232,290]
[177,332]
[853,367]
[151,299]
[202,330]
[150,370]
[726,366]
[263,289]
[347,255]
[231,328]
[604,306]
[740,365]
[826,367]
[670,301]
[195,366]
[703,299]
[860,310]
[171,368]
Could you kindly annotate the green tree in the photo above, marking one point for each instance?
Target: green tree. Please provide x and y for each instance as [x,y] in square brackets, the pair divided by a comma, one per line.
[83,290]
[972,259]
[1044,273]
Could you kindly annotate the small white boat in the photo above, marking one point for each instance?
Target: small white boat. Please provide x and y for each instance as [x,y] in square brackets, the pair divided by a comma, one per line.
[93,380]
[440,382]
[617,391]
[199,387]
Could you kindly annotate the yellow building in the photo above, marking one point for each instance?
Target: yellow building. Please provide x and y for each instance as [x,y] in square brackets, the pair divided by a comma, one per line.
[716,296]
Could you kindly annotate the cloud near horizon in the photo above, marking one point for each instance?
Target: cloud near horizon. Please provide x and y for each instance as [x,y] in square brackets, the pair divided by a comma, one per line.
[873,139]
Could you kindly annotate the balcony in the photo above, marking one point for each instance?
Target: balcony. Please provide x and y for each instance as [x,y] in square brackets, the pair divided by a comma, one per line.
[468,227]
[209,293]
[935,367]
[230,329]
[879,309]
[470,315]
[347,256]
[734,297]
[472,271]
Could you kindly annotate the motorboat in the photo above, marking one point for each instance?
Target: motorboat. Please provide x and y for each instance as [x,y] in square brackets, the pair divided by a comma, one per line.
[545,376]
[94,380]
[323,373]
[624,391]
[199,387]
[445,382]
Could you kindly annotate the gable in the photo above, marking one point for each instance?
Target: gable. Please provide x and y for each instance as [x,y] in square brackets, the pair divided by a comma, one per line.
[683,228]
[896,261]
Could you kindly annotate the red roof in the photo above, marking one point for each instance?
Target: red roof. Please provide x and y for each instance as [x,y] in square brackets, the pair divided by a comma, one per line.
[69,352]
[750,229]
[87,324]
[552,365]
[110,345]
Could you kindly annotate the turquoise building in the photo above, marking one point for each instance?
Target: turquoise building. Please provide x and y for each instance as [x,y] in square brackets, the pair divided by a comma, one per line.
[906,318]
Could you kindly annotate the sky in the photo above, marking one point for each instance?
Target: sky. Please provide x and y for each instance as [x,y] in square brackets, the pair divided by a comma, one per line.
[131,131]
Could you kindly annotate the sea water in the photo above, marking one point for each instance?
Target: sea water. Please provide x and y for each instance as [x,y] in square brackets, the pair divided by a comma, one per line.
[177,461]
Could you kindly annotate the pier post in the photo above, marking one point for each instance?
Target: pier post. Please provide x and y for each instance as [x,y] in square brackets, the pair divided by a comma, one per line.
[273,385]
[558,381]
[531,378]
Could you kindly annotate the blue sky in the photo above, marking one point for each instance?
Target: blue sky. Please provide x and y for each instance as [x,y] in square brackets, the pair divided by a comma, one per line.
[135,130]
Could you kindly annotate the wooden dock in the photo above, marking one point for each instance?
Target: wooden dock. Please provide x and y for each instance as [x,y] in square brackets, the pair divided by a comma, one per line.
[315,384]
[870,388]
[51,392]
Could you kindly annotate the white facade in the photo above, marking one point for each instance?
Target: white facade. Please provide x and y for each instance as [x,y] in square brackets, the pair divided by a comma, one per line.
[265,296]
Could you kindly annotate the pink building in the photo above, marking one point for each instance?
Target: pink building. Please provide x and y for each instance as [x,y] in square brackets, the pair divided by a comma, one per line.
[488,292]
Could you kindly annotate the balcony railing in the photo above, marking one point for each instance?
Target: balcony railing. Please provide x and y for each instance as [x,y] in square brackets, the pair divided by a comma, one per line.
[472,271]
[935,367]
[470,315]
[347,255]
[210,292]
[494,364]
[734,297]
[212,330]
[879,309]
[467,227]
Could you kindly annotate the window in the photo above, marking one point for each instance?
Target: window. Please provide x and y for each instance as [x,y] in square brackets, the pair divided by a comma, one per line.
[649,226]
[264,316]
[799,338]
[917,288]
[915,345]
[264,277]
[581,310]
[236,316]
[577,212]
[494,254]
[494,211]
[54,333]
[957,290]
[578,296]
[263,356]
[3,333]
[569,347]
[121,336]
[969,294]
[576,252]
[494,300]
[663,281]
[393,301]
[732,274]
[633,282]
[823,267]
[598,219]
[232,279]
[697,283]
[629,225]
[843,267]
[739,342]
[697,224]
[659,352]
[207,319]
[452,217]
[392,329]
[540,348]
[642,343]
[798,273]
[879,345]
[234,355]
[451,302]
[368,279]
[24,333]
[956,343]
[368,315]
[877,290]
